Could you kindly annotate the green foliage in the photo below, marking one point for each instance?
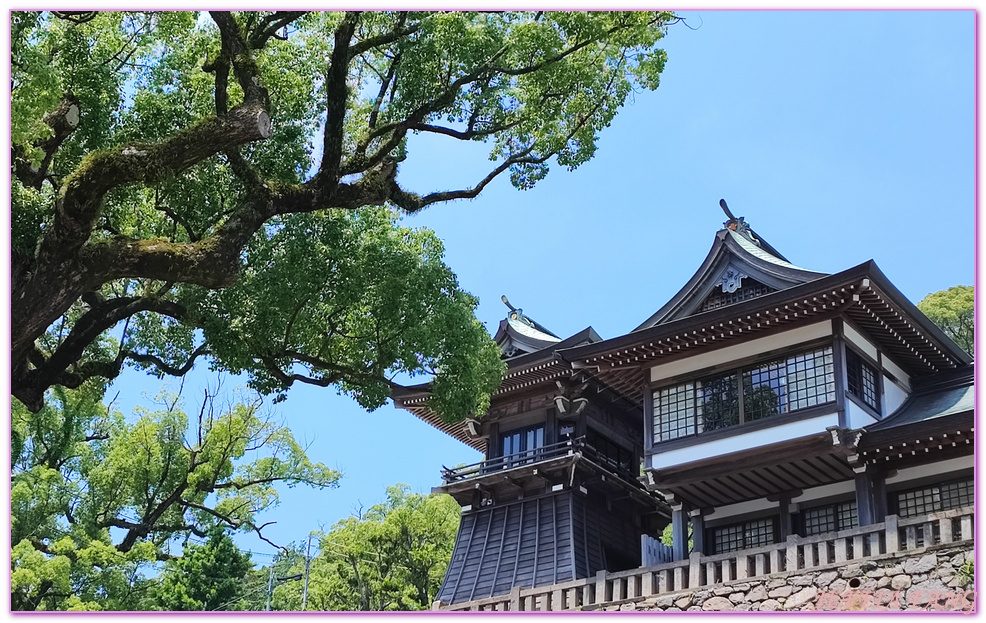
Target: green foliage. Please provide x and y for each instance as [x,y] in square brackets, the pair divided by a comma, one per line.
[355,298]
[953,310]
[328,287]
[206,577]
[97,497]
[392,557]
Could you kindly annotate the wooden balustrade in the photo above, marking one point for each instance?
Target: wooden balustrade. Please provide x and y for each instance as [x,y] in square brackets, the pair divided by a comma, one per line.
[796,554]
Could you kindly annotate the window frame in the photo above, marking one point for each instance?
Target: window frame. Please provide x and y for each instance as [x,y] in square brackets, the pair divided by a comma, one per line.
[837,516]
[710,533]
[740,369]
[854,358]
[935,488]
[524,454]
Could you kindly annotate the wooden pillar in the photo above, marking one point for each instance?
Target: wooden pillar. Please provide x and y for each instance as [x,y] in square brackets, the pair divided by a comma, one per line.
[786,519]
[697,519]
[679,532]
[871,495]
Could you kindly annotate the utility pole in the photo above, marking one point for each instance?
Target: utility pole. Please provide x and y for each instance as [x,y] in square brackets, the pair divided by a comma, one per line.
[308,560]
[270,586]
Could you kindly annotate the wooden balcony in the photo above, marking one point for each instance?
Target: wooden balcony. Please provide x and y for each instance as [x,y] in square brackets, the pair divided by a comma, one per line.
[895,535]
[566,448]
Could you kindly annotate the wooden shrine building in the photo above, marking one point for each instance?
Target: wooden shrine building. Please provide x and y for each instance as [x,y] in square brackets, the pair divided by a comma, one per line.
[763,400]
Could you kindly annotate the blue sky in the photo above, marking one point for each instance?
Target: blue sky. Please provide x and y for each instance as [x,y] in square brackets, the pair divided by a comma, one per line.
[840,136]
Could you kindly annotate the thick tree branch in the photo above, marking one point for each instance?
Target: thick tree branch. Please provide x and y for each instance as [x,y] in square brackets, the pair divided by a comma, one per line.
[269,26]
[236,52]
[399,32]
[104,315]
[336,98]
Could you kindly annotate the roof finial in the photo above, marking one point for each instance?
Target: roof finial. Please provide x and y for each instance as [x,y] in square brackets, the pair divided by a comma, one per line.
[737,225]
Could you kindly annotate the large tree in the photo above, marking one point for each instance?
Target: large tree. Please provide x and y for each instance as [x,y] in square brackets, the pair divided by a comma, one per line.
[227,184]
[954,311]
[392,556]
[97,497]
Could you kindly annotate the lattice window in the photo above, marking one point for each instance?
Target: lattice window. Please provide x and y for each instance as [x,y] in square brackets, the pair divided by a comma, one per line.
[935,498]
[750,290]
[863,380]
[829,518]
[773,388]
[746,535]
[674,412]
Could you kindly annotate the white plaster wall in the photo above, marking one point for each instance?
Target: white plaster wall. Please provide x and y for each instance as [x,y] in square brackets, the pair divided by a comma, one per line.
[743,441]
[825,491]
[860,342]
[932,469]
[895,370]
[856,416]
[739,351]
[740,508]
[893,396]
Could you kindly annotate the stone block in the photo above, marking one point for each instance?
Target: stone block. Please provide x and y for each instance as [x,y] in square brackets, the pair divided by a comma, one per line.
[758,593]
[673,609]
[742,607]
[717,604]
[802,597]
[900,582]
[737,597]
[800,580]
[875,573]
[770,605]
[894,570]
[921,565]
[684,602]
[628,606]
[884,582]
[741,586]
[665,602]
[723,590]
[781,591]
[824,579]
[838,586]
[850,571]
[694,608]
[776,582]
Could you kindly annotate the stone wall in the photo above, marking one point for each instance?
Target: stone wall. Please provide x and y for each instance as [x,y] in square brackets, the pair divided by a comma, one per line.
[931,579]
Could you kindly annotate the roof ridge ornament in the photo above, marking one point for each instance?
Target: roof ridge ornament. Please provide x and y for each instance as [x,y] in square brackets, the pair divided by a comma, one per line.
[738,225]
[516,313]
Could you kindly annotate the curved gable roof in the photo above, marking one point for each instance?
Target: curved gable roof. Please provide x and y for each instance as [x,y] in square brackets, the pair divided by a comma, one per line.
[734,257]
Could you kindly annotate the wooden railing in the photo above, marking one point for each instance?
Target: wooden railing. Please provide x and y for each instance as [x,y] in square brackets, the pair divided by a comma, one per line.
[537,455]
[796,554]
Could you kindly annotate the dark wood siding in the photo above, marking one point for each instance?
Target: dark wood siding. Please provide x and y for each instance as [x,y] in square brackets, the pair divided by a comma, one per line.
[524,543]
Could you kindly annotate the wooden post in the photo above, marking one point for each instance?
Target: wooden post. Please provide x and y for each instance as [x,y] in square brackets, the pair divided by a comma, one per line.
[515,599]
[711,573]
[727,571]
[742,566]
[679,579]
[759,564]
[557,600]
[647,588]
[775,558]
[871,493]
[945,529]
[840,550]
[695,569]
[698,530]
[601,596]
[892,534]
[437,604]
[792,553]
[965,523]
[679,533]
